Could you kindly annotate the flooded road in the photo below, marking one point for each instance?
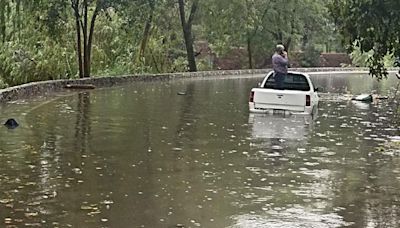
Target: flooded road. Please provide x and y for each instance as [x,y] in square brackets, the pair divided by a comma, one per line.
[144,156]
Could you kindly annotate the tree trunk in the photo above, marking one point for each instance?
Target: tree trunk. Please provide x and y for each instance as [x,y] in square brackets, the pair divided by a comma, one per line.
[287,44]
[90,41]
[17,19]
[187,32]
[305,40]
[82,28]
[3,20]
[146,32]
[75,6]
[279,37]
[86,65]
[249,52]
[248,36]
[189,49]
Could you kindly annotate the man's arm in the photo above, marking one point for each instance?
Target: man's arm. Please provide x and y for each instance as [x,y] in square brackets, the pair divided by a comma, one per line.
[283,59]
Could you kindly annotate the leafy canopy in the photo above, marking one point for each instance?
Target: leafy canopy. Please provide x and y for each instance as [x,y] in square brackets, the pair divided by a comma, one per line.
[370,26]
[38,38]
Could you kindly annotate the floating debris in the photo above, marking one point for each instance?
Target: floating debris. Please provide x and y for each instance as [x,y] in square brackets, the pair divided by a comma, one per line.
[11,123]
[363,97]
[80,86]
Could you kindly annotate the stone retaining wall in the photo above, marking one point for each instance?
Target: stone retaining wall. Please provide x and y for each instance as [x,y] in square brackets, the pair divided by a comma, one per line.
[46,87]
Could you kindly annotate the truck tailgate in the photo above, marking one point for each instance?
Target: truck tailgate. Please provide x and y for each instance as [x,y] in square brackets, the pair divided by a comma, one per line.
[279,99]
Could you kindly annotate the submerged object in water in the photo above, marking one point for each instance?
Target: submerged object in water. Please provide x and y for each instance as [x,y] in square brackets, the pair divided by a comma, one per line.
[363,97]
[11,123]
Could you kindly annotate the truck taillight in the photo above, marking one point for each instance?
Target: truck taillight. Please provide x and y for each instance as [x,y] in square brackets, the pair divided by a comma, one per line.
[251,97]
[308,100]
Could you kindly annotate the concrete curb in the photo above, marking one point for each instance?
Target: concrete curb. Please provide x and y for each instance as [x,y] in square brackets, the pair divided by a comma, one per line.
[44,88]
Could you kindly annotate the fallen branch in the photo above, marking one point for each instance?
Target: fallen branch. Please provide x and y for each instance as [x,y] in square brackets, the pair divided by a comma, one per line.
[80,86]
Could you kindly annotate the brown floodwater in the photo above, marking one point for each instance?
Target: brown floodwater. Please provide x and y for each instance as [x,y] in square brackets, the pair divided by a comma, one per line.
[143,156]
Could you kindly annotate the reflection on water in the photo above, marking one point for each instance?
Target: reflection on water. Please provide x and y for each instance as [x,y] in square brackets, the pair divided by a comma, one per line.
[143,156]
[361,105]
[290,218]
[279,126]
[279,133]
[82,126]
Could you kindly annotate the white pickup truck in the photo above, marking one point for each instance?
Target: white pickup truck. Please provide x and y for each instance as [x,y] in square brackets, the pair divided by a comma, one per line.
[298,96]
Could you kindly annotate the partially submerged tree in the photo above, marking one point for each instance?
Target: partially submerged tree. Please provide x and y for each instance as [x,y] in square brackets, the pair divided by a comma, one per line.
[370,26]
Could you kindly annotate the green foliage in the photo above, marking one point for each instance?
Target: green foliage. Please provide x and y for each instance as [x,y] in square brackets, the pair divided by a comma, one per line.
[296,24]
[359,58]
[45,61]
[372,24]
[38,38]
[310,57]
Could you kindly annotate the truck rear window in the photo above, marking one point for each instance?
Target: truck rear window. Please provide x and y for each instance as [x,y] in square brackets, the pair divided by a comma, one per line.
[291,82]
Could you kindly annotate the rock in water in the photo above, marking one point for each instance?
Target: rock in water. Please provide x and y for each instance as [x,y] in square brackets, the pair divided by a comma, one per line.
[11,123]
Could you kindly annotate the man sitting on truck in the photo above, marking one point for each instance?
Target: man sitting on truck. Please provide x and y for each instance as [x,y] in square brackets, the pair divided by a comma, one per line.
[280,64]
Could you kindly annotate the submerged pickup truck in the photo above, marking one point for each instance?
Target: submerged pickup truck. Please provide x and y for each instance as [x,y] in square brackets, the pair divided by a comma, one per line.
[298,96]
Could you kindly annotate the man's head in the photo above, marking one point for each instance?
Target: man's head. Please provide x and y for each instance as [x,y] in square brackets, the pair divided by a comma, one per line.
[279,48]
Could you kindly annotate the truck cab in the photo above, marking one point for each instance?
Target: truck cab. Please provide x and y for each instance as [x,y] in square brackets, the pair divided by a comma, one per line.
[298,95]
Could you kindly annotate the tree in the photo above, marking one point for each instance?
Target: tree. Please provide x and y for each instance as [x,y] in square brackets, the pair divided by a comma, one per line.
[259,25]
[84,24]
[370,26]
[81,13]
[147,29]
[256,12]
[3,11]
[152,36]
[42,39]
[29,50]
[187,31]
